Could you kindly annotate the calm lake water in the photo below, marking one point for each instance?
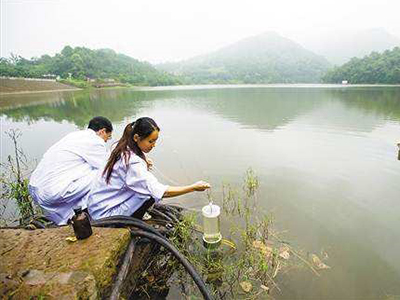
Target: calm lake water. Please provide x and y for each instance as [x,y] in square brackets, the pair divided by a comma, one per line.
[326,158]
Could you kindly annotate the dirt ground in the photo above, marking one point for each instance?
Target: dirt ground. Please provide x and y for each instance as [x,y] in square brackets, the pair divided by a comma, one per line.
[8,86]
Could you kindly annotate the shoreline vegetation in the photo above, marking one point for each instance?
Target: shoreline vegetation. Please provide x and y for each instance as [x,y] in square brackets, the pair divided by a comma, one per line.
[82,85]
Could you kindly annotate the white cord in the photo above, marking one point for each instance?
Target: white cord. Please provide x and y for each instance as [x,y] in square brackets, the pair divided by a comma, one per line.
[165,177]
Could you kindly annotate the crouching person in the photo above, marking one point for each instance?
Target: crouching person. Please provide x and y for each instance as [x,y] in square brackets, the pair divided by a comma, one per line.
[126,187]
[63,177]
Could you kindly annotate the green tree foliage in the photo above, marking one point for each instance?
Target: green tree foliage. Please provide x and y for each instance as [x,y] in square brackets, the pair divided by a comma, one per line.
[374,68]
[84,63]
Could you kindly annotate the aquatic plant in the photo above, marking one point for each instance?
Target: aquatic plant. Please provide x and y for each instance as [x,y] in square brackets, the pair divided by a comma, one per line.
[247,263]
[14,185]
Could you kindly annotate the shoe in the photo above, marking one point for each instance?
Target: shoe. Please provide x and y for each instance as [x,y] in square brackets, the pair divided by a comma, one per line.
[146,216]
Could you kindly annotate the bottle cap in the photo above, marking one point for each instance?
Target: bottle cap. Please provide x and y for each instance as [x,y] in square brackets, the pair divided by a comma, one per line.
[77,209]
[211,211]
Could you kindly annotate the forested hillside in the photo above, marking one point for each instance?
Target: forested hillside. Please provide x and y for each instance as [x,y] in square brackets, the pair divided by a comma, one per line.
[374,68]
[84,63]
[266,58]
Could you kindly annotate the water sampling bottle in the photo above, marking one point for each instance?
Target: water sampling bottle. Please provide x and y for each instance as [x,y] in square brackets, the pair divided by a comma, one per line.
[212,235]
[81,224]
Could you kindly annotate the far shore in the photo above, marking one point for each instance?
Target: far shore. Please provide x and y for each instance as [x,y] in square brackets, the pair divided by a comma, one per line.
[206,86]
[44,91]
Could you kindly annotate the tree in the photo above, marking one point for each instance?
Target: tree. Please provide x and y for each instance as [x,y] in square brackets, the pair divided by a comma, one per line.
[83,62]
[374,68]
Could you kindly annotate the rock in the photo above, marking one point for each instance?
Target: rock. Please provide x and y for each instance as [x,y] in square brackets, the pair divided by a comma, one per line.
[35,277]
[7,284]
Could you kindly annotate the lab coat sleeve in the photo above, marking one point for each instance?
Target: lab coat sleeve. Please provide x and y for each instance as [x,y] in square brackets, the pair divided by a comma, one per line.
[140,180]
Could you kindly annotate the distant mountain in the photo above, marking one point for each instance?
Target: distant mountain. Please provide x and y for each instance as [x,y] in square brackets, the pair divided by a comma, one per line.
[266,58]
[374,68]
[340,47]
[82,63]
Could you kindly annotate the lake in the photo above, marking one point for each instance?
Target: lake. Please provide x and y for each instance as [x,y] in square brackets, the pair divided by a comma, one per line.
[325,156]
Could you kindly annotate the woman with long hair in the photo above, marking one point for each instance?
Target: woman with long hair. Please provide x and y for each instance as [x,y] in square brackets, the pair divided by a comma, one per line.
[126,187]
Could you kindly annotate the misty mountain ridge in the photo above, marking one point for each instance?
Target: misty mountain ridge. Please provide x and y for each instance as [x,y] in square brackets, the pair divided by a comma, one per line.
[265,58]
[339,47]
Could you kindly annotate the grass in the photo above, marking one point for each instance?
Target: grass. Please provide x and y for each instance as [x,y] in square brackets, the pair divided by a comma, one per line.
[14,185]
[82,84]
[247,271]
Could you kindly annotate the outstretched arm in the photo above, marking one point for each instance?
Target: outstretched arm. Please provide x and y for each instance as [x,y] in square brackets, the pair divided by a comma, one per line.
[173,191]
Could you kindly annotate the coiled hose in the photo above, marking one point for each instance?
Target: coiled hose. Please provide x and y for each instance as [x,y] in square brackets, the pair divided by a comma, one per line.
[169,213]
[157,213]
[189,268]
[149,232]
[124,221]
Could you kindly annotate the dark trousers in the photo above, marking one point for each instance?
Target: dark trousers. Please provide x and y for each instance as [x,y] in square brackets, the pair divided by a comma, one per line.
[139,213]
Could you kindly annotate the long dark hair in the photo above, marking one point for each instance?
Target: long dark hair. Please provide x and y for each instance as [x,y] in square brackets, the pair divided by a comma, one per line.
[143,127]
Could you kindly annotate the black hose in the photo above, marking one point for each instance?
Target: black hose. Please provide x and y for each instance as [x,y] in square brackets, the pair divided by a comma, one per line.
[151,233]
[158,213]
[169,214]
[172,216]
[123,221]
[168,211]
[38,224]
[176,208]
[169,208]
[189,268]
[123,272]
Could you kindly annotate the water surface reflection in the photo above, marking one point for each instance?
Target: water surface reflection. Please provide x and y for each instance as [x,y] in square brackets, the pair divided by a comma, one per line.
[326,158]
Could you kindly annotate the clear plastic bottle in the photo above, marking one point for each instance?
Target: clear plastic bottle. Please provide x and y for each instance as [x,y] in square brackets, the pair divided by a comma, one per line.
[211,223]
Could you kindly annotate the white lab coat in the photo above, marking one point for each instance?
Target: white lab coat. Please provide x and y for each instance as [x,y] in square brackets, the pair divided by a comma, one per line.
[63,177]
[129,187]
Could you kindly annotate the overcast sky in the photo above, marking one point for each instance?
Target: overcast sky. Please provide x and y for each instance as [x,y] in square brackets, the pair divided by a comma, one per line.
[165,30]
